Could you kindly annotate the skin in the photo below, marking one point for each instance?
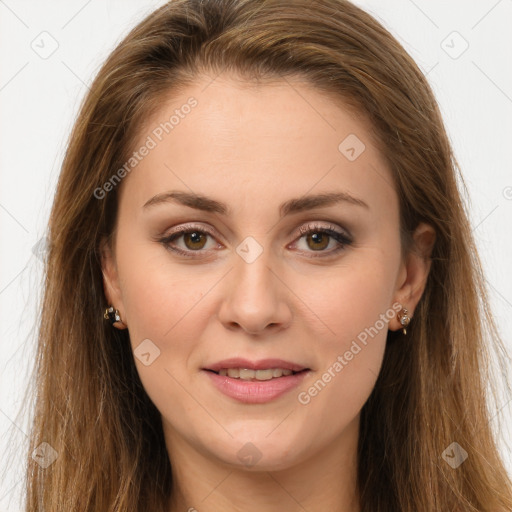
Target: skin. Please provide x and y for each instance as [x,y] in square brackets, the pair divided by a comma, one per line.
[254,147]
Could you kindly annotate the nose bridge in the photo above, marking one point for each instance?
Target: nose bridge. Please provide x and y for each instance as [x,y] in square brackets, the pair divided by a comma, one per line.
[254,296]
[252,274]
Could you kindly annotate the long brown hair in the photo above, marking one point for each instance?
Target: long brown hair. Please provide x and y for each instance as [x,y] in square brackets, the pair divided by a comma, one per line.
[432,391]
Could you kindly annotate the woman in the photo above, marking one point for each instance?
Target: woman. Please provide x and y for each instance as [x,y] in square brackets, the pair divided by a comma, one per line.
[262,290]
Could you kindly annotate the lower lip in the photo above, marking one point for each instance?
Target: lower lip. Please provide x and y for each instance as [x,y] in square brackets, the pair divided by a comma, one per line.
[256,392]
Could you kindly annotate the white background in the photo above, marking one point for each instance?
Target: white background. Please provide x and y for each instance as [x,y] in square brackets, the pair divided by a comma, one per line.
[39,99]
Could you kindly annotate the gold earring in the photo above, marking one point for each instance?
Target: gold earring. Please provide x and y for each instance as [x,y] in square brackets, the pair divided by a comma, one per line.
[112,315]
[404,319]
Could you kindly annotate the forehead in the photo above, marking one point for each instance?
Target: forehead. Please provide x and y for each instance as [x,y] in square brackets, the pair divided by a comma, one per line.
[254,141]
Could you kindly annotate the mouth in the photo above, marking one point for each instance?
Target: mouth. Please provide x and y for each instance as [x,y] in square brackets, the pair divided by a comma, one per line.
[264,369]
[249,374]
[255,382]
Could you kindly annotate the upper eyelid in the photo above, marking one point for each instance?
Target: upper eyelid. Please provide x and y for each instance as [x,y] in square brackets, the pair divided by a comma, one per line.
[300,232]
[330,227]
[316,224]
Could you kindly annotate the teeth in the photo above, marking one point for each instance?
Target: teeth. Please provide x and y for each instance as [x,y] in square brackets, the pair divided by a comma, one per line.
[247,374]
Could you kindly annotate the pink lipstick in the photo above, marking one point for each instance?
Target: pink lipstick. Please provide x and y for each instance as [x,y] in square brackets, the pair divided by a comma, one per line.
[255,382]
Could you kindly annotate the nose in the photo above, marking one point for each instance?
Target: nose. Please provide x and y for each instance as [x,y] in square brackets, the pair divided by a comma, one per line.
[255,298]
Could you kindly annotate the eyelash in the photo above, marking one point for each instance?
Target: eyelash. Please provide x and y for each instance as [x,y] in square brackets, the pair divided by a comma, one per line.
[338,236]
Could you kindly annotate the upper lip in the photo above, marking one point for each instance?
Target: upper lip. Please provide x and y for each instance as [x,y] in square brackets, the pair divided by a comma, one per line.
[262,364]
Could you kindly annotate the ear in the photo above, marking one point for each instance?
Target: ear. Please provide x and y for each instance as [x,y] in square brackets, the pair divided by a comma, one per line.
[413,274]
[111,281]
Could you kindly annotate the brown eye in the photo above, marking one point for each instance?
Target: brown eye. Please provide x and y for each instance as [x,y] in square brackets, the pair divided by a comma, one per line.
[194,240]
[318,240]
[189,241]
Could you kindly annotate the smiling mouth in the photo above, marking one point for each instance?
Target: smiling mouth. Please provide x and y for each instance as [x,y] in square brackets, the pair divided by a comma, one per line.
[256,375]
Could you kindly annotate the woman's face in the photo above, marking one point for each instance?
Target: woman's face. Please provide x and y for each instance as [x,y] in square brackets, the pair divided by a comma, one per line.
[226,270]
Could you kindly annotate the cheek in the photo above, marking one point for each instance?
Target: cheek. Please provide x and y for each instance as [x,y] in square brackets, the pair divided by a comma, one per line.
[354,307]
[156,294]
[163,309]
[164,304]
[350,362]
[350,298]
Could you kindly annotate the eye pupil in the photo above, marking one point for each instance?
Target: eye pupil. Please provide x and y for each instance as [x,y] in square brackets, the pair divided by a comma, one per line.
[194,237]
[319,238]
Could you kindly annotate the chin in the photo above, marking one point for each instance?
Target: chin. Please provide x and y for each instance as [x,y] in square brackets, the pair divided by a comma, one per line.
[257,453]
[262,462]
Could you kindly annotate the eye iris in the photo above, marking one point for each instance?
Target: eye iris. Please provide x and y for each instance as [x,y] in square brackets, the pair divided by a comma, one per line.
[319,237]
[194,237]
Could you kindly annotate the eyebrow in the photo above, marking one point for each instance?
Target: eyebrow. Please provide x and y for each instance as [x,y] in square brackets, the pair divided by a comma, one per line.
[297,205]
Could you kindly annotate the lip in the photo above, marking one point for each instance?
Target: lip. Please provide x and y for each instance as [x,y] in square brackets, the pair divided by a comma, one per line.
[262,364]
[255,392]
[251,391]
